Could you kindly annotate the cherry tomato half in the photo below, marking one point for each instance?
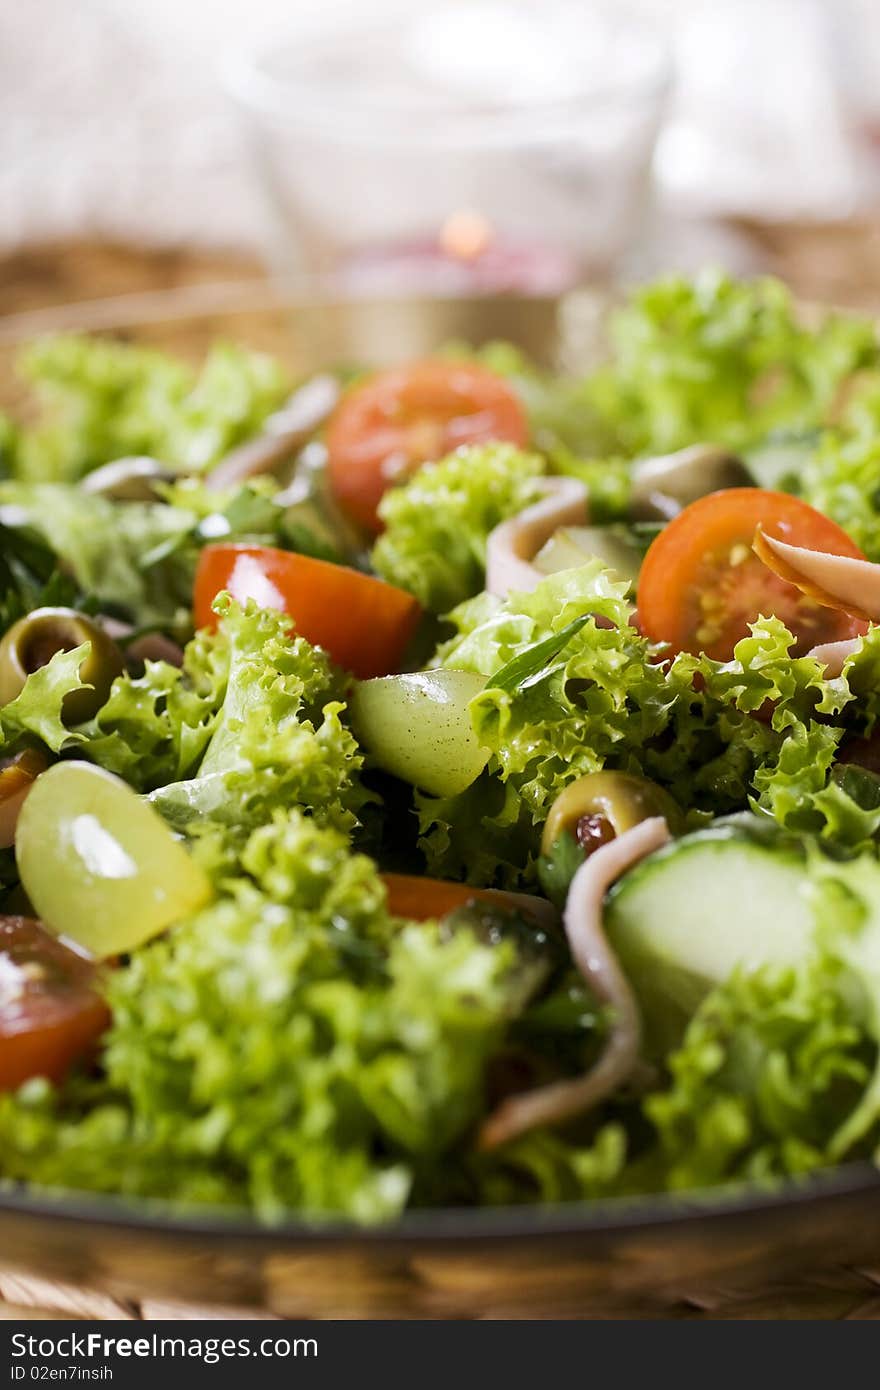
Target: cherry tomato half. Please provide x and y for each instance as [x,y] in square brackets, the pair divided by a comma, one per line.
[701,584]
[362,623]
[383,430]
[51,1014]
[420,899]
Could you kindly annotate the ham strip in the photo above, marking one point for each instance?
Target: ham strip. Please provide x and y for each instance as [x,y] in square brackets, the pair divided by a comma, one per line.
[283,433]
[514,544]
[834,655]
[562,1100]
[836,581]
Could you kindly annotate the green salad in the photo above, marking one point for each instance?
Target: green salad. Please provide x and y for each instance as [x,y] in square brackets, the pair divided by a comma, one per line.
[453,785]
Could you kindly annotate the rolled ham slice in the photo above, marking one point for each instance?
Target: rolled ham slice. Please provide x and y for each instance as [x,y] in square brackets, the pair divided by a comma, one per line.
[834,655]
[836,581]
[563,1100]
[514,544]
[283,433]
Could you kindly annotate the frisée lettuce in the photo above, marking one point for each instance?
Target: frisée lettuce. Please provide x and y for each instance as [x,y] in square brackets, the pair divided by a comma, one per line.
[291,1047]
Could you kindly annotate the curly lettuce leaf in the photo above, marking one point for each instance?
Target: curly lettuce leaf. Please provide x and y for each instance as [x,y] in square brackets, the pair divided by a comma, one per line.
[104,400]
[106,547]
[718,359]
[771,1068]
[36,712]
[580,697]
[485,835]
[861,673]
[154,728]
[841,478]
[250,722]
[588,694]
[546,1167]
[248,512]
[276,737]
[289,1048]
[792,750]
[437,524]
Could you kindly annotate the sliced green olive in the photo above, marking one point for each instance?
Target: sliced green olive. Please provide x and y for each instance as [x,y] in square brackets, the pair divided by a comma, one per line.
[17,776]
[620,800]
[34,640]
[128,480]
[662,486]
[590,813]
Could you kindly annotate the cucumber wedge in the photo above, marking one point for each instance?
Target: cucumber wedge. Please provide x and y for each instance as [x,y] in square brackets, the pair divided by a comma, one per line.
[572,546]
[418,727]
[685,918]
[99,865]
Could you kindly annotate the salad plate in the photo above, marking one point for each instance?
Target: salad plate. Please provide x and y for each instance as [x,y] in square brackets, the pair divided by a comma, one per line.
[306,918]
[652,1258]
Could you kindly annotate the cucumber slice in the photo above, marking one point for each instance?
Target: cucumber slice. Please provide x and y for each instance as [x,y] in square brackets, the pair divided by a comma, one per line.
[418,727]
[571,546]
[685,918]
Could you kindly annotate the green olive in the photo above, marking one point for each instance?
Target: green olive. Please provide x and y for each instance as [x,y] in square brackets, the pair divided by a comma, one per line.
[34,640]
[620,798]
[662,486]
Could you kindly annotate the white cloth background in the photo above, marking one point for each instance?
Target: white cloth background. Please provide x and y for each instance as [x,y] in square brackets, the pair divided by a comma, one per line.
[113,121]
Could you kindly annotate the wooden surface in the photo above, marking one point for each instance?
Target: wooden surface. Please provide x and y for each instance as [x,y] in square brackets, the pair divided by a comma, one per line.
[37,277]
[839,264]
[832,1296]
[25,1298]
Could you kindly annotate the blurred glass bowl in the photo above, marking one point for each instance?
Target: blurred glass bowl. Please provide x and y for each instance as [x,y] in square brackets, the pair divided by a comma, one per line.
[482,149]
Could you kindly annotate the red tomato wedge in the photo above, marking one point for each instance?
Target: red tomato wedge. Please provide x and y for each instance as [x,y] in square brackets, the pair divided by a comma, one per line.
[420,899]
[51,1014]
[362,623]
[701,584]
[383,430]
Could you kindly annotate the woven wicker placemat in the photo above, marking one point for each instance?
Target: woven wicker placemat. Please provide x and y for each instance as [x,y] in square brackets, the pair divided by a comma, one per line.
[22,1297]
[830,1296]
